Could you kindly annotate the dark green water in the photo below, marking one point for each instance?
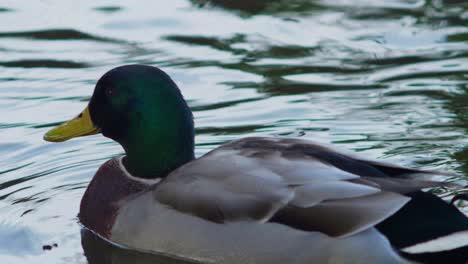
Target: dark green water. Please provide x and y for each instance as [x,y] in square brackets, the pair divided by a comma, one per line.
[387,79]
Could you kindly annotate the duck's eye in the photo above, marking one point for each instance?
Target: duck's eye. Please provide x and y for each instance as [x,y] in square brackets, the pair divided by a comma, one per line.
[110,91]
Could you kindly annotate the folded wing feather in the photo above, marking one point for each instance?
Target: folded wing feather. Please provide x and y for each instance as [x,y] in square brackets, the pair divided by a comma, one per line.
[293,182]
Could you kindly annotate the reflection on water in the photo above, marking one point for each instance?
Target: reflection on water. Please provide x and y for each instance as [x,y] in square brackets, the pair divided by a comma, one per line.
[99,251]
[384,78]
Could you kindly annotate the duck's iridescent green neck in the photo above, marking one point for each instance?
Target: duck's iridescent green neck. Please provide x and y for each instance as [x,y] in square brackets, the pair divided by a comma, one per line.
[157,149]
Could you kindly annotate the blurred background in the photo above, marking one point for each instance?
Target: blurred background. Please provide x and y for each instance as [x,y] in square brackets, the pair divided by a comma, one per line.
[387,79]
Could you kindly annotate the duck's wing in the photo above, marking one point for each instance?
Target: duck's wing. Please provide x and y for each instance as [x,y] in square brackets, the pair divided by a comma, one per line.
[289,181]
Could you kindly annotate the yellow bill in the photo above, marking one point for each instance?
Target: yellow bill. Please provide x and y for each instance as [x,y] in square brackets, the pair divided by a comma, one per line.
[77,127]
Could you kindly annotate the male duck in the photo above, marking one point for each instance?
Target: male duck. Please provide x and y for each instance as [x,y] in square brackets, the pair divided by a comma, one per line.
[253,200]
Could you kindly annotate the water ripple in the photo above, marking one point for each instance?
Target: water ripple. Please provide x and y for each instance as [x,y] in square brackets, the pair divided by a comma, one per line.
[385,78]
[53,34]
[44,64]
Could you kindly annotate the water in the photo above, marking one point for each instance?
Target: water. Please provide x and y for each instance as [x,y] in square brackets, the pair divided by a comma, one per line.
[387,79]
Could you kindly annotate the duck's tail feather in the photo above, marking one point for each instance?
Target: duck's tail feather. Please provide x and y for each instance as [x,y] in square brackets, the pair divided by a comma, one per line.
[428,230]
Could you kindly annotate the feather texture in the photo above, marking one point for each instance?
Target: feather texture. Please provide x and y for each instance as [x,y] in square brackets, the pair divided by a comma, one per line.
[289,181]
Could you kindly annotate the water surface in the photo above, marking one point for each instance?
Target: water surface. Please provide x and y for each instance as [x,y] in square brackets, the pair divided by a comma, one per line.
[387,79]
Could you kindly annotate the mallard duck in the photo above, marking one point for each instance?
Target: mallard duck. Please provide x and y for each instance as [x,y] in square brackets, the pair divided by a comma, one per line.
[252,200]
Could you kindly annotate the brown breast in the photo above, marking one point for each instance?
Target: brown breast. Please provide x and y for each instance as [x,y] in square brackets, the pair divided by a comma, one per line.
[100,203]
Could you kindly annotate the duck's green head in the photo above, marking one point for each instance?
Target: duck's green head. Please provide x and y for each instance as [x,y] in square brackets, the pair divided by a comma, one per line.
[140,107]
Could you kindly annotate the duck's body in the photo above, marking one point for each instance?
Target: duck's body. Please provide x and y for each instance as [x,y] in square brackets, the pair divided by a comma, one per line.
[254,200]
[253,239]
